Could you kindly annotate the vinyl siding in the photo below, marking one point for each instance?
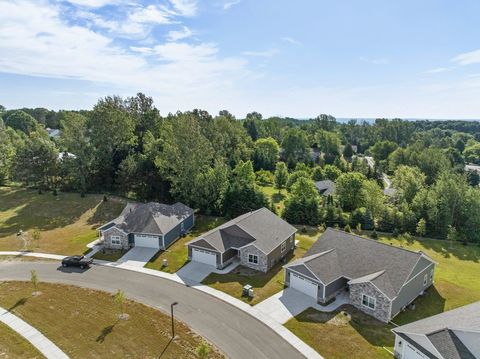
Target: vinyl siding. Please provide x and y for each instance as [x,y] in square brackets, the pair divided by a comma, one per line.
[228,254]
[335,286]
[411,290]
[176,232]
[276,255]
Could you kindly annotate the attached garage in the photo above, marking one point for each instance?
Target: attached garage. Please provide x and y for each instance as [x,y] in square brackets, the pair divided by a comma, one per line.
[206,257]
[143,240]
[303,285]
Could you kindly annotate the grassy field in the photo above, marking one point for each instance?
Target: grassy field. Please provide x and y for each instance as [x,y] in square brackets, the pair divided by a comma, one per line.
[13,345]
[84,323]
[177,253]
[264,284]
[277,197]
[66,222]
[456,284]
[345,333]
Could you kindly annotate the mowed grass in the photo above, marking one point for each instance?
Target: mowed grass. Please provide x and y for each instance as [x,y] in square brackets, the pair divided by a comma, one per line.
[177,253]
[84,323]
[66,222]
[344,333]
[455,284]
[111,255]
[278,197]
[264,284]
[13,345]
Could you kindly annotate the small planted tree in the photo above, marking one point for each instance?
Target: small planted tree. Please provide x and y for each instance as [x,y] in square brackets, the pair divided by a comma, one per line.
[202,350]
[421,227]
[34,280]
[120,300]
[347,228]
[36,235]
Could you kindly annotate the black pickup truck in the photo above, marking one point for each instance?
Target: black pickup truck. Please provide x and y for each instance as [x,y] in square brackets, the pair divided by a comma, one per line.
[77,261]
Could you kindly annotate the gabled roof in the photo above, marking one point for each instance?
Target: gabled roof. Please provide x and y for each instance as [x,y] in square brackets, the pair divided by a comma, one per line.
[261,227]
[325,187]
[151,218]
[443,332]
[360,259]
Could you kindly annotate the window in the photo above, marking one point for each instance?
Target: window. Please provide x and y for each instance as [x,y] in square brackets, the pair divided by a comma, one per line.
[252,258]
[182,226]
[431,275]
[115,240]
[425,279]
[368,301]
[284,246]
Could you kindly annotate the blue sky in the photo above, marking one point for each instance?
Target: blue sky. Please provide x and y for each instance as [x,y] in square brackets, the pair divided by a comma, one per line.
[369,58]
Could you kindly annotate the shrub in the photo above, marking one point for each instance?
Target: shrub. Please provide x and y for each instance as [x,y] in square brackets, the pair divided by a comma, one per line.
[347,228]
[374,234]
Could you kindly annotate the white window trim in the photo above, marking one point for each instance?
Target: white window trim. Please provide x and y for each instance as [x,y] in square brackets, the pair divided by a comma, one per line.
[431,275]
[115,240]
[425,279]
[369,299]
[284,246]
[252,256]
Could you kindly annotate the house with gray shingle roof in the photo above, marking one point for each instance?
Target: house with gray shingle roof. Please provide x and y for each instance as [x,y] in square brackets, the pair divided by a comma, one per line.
[450,335]
[326,187]
[381,279]
[259,239]
[153,225]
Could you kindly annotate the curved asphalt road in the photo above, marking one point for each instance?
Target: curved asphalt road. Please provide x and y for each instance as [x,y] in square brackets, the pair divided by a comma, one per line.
[234,332]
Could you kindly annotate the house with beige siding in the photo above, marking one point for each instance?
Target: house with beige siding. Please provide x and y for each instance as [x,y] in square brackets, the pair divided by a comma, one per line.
[258,239]
[381,280]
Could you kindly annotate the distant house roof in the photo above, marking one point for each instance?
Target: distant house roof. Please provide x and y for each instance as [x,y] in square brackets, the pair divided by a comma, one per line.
[65,154]
[261,227]
[390,192]
[53,132]
[472,167]
[339,254]
[444,333]
[325,187]
[151,218]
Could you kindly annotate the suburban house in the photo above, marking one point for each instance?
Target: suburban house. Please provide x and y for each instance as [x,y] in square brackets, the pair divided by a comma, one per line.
[450,335]
[381,280]
[153,225]
[326,187]
[259,239]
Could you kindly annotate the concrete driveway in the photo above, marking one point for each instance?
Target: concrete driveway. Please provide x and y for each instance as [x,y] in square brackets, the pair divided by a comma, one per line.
[234,332]
[195,272]
[290,302]
[137,256]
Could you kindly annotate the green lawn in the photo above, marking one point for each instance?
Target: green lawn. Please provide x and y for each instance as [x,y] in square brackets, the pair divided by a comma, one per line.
[344,333]
[177,253]
[111,255]
[66,222]
[13,345]
[456,283]
[84,324]
[264,284]
[277,197]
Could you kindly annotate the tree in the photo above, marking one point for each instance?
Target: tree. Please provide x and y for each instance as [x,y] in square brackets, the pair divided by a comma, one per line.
[422,227]
[303,206]
[349,190]
[373,198]
[473,178]
[382,149]
[120,299]
[408,181]
[34,280]
[331,172]
[266,152]
[251,124]
[281,175]
[318,174]
[202,350]
[329,144]
[22,121]
[347,151]
[293,178]
[295,147]
[36,235]
[10,140]
[212,186]
[472,153]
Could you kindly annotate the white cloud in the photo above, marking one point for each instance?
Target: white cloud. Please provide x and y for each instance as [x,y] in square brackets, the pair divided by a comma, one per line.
[150,15]
[379,61]
[185,7]
[93,3]
[437,70]
[176,35]
[266,53]
[227,5]
[468,58]
[290,40]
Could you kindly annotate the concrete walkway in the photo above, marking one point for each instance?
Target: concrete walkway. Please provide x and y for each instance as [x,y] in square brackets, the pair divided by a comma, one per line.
[137,257]
[38,340]
[290,302]
[275,325]
[195,272]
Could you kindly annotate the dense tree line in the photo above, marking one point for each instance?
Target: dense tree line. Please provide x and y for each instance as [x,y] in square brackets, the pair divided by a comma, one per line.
[216,164]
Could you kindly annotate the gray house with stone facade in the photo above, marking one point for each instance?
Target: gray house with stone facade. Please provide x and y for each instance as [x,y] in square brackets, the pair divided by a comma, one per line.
[153,225]
[259,239]
[450,335]
[381,279]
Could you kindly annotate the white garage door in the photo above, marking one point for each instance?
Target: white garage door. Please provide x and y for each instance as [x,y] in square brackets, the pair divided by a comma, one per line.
[204,257]
[142,240]
[303,285]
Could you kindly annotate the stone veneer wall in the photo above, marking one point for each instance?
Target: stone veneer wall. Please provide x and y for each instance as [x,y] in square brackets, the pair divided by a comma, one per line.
[262,258]
[382,305]
[115,232]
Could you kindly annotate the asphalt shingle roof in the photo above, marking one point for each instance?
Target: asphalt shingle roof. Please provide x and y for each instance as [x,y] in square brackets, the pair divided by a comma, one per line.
[325,187]
[262,227]
[358,258]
